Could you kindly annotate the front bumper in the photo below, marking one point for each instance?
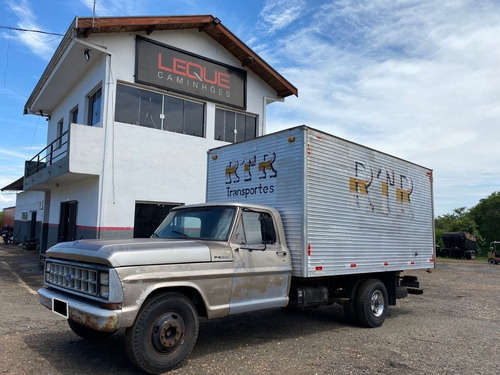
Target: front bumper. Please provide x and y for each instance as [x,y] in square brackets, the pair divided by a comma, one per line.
[83,311]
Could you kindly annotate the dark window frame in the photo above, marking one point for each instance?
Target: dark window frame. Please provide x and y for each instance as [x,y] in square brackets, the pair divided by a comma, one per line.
[73,115]
[182,117]
[94,101]
[59,132]
[233,127]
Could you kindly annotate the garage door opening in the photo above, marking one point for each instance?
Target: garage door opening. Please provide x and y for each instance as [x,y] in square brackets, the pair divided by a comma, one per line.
[148,217]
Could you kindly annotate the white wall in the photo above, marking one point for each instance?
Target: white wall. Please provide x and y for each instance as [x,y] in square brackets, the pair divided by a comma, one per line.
[77,96]
[86,192]
[140,164]
[122,48]
[28,201]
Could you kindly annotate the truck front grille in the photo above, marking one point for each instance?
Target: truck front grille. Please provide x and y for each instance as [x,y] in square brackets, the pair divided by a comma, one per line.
[75,278]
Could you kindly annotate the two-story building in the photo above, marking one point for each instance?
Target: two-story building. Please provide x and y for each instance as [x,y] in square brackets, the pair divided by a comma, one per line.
[133,104]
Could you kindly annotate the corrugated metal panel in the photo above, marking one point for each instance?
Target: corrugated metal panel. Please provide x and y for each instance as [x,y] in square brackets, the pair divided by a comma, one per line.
[366,211]
[359,210]
[268,170]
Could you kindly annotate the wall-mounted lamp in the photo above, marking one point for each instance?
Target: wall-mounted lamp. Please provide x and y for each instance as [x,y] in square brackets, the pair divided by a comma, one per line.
[86,54]
[248,60]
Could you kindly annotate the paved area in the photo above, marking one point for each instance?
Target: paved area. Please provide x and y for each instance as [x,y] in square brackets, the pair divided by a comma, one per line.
[453,328]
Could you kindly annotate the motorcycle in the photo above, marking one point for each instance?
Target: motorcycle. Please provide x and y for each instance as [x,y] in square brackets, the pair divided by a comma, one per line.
[7,234]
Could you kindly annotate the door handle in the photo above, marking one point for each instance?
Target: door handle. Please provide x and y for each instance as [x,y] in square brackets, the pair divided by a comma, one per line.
[281,253]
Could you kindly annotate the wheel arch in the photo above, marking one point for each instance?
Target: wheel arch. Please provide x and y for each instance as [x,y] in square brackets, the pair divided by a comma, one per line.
[189,291]
[389,279]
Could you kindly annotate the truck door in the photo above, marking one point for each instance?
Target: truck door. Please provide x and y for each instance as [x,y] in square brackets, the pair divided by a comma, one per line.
[261,268]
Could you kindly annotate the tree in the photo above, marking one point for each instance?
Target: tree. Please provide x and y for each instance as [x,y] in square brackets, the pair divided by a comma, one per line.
[487,216]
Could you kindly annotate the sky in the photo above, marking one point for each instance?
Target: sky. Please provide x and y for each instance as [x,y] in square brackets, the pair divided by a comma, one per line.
[418,79]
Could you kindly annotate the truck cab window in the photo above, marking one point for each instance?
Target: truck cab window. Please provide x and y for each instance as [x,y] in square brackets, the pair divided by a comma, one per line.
[197,223]
[255,228]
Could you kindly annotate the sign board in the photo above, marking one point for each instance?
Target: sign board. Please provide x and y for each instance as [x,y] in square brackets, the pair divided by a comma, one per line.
[170,68]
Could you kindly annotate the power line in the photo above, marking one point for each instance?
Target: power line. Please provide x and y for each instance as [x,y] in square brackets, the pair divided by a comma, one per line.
[28,30]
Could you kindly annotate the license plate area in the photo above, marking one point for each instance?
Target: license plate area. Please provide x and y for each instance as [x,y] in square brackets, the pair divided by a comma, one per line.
[60,307]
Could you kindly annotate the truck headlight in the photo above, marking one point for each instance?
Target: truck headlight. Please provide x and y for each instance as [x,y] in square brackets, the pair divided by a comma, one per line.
[104,285]
[111,287]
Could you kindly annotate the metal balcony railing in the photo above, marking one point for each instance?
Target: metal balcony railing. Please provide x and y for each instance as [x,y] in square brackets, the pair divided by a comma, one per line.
[56,150]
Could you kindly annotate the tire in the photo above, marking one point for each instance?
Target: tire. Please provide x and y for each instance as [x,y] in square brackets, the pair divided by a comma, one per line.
[164,333]
[86,332]
[492,261]
[371,303]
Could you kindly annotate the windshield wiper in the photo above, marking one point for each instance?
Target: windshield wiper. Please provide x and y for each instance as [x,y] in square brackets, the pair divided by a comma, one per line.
[182,234]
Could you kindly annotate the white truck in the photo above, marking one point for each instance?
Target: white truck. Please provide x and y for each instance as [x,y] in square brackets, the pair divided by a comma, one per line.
[301,219]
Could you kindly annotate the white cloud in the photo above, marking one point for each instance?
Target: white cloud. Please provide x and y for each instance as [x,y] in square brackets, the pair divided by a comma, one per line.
[40,44]
[278,14]
[417,79]
[7,199]
[118,8]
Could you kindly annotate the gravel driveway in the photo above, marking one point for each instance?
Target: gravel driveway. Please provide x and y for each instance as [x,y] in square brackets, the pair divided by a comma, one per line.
[453,328]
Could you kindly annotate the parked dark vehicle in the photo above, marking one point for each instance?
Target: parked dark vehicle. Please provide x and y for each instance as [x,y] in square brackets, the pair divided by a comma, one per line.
[7,234]
[460,245]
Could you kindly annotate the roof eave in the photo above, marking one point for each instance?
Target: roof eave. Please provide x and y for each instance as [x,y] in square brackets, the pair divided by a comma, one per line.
[206,23]
[50,68]
[209,24]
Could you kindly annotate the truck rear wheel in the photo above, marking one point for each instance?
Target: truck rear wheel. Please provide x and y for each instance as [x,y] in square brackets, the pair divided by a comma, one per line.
[371,303]
[492,261]
[163,334]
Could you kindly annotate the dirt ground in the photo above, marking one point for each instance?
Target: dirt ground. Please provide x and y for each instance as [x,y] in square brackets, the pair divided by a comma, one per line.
[453,328]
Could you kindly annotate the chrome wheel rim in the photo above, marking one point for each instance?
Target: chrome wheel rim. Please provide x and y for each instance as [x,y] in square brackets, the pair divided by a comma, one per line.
[377,303]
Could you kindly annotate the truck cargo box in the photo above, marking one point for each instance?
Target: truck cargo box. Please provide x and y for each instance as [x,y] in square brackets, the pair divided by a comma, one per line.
[460,240]
[346,208]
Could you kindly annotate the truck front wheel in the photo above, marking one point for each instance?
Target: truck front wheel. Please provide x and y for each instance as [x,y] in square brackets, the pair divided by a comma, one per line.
[492,261]
[163,334]
[371,303]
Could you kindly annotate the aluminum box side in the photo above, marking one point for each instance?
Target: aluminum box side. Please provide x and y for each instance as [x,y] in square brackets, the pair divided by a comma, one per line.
[346,208]
[268,170]
[366,211]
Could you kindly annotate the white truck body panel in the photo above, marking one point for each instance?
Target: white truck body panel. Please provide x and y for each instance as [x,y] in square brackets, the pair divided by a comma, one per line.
[346,208]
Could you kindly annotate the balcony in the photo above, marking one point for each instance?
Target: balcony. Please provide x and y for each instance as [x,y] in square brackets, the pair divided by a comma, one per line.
[76,154]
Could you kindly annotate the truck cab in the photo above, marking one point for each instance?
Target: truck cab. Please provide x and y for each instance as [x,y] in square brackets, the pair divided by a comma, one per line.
[206,260]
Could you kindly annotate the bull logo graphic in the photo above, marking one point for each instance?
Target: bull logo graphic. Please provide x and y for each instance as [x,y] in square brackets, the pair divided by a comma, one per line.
[247,170]
[404,191]
[266,166]
[358,185]
[376,189]
[232,172]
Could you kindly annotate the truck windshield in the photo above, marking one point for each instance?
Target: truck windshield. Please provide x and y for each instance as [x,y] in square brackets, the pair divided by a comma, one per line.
[204,223]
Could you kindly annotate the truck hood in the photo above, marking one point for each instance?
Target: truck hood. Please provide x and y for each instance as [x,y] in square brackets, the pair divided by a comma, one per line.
[132,252]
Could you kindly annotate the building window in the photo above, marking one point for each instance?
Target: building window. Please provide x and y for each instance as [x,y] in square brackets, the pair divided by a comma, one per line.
[234,127]
[94,102]
[154,110]
[73,115]
[60,126]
